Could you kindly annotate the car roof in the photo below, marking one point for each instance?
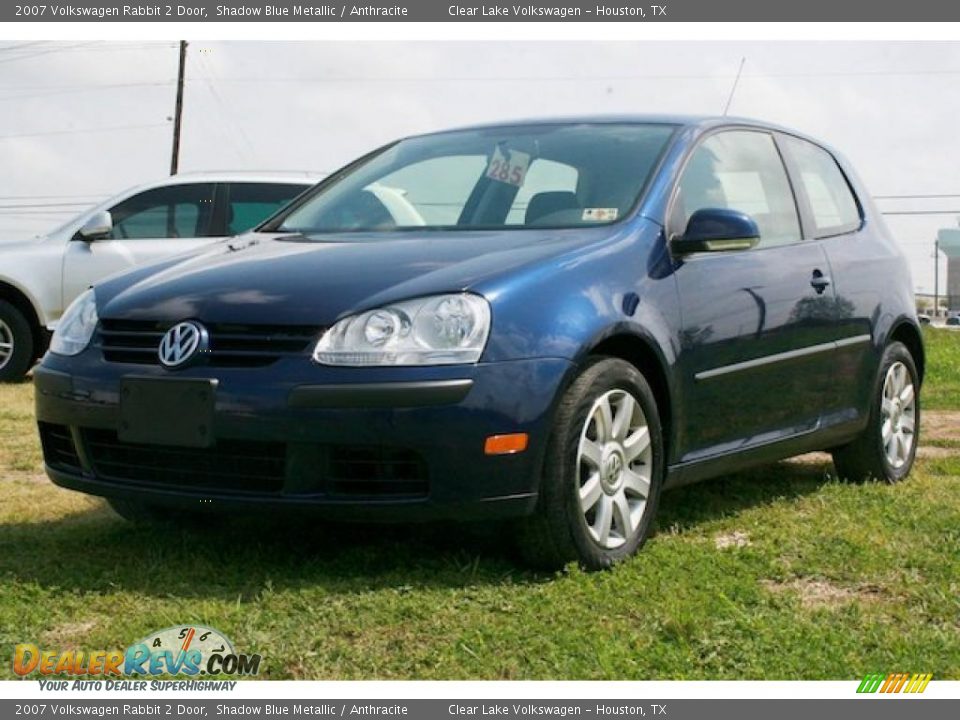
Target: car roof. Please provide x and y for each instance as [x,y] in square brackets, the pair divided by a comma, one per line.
[703,122]
[305,177]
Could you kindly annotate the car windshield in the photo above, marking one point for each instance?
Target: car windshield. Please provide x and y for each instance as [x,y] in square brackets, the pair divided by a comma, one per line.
[532,176]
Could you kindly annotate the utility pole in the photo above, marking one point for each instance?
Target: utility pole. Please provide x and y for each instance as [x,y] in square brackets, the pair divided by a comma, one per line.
[936,277]
[178,111]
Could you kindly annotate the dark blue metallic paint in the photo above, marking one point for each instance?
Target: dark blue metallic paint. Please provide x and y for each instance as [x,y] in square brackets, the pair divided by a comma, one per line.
[556,296]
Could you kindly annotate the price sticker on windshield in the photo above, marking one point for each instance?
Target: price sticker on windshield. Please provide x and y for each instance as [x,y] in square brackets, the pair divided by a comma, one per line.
[601,215]
[508,167]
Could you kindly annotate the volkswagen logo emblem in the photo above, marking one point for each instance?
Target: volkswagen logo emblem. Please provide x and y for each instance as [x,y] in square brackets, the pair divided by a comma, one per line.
[182,343]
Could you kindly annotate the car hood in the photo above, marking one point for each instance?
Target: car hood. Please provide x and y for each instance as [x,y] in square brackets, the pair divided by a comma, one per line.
[21,246]
[295,280]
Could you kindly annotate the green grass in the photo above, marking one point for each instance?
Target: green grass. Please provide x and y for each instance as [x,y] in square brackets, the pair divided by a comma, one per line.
[817,579]
[19,447]
[943,369]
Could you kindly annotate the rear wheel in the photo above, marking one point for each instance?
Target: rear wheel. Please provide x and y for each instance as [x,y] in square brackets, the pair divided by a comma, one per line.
[16,343]
[602,472]
[888,446]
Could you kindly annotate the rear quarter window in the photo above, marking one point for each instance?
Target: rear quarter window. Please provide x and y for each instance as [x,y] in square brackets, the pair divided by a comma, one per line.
[832,204]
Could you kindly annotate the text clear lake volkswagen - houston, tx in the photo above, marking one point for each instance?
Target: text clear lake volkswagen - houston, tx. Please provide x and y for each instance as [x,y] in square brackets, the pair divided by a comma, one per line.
[548,322]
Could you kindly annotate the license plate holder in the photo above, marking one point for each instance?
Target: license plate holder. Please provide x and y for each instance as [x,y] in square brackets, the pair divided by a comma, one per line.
[161,411]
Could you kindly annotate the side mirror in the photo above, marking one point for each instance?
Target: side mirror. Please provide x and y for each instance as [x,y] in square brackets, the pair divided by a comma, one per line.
[97,226]
[717,229]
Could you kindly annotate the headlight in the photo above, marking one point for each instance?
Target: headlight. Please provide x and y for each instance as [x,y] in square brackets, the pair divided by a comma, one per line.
[76,327]
[439,330]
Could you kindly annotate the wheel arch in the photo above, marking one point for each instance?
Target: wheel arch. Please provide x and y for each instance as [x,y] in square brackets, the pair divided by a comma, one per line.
[22,302]
[642,354]
[907,333]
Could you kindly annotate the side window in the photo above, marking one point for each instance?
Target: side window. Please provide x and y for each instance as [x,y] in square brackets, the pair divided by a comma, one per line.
[252,203]
[832,204]
[740,170]
[168,212]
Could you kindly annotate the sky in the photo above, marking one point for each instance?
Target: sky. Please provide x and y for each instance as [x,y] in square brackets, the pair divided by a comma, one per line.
[83,120]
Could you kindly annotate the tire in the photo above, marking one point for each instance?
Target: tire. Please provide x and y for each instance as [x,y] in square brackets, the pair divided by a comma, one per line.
[16,343]
[872,456]
[604,467]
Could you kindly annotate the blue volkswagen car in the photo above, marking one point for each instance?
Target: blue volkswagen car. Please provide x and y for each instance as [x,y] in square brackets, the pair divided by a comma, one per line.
[546,322]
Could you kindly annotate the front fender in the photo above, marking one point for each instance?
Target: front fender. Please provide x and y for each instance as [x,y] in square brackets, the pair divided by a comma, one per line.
[566,306]
[44,299]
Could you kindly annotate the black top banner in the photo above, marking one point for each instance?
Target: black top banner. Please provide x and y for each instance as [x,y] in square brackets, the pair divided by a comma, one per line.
[487,11]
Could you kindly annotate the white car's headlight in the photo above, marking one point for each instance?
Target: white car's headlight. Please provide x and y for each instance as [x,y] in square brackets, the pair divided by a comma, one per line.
[76,327]
[438,330]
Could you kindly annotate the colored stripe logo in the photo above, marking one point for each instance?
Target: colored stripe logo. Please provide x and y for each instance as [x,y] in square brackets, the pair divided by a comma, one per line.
[895,683]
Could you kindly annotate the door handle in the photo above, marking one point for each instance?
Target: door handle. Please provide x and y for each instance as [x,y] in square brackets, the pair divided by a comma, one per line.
[819,282]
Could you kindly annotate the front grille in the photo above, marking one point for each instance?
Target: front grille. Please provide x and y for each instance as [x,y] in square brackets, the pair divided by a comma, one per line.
[242,467]
[372,471]
[233,465]
[136,342]
[59,450]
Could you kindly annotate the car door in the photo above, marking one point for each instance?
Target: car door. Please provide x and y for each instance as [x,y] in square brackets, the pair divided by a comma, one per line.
[756,341]
[147,226]
[859,255]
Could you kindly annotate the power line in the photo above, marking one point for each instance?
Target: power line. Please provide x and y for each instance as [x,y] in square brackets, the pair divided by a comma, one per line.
[83,130]
[46,197]
[587,78]
[41,91]
[86,47]
[208,76]
[83,89]
[30,206]
[37,213]
[733,89]
[85,86]
[48,51]
[107,46]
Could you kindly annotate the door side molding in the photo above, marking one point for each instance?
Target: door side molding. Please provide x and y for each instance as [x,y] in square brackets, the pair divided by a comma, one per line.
[781,357]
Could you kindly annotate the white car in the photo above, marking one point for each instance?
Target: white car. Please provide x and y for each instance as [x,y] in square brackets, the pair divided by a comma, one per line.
[39,278]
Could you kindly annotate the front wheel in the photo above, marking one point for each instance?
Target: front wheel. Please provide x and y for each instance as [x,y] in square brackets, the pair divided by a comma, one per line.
[887,447]
[602,472]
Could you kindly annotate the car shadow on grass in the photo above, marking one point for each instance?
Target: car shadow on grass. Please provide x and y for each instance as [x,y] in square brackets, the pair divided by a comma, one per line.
[687,507]
[96,552]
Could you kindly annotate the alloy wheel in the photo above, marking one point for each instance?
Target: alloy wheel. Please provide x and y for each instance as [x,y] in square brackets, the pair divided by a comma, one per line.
[898,415]
[614,464]
[6,344]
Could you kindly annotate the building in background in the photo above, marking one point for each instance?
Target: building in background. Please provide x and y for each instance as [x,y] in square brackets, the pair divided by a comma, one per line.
[949,239]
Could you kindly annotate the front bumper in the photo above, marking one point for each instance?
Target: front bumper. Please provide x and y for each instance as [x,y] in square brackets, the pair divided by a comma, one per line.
[378,444]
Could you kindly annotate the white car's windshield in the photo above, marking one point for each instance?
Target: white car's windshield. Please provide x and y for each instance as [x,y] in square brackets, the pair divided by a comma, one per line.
[557,176]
